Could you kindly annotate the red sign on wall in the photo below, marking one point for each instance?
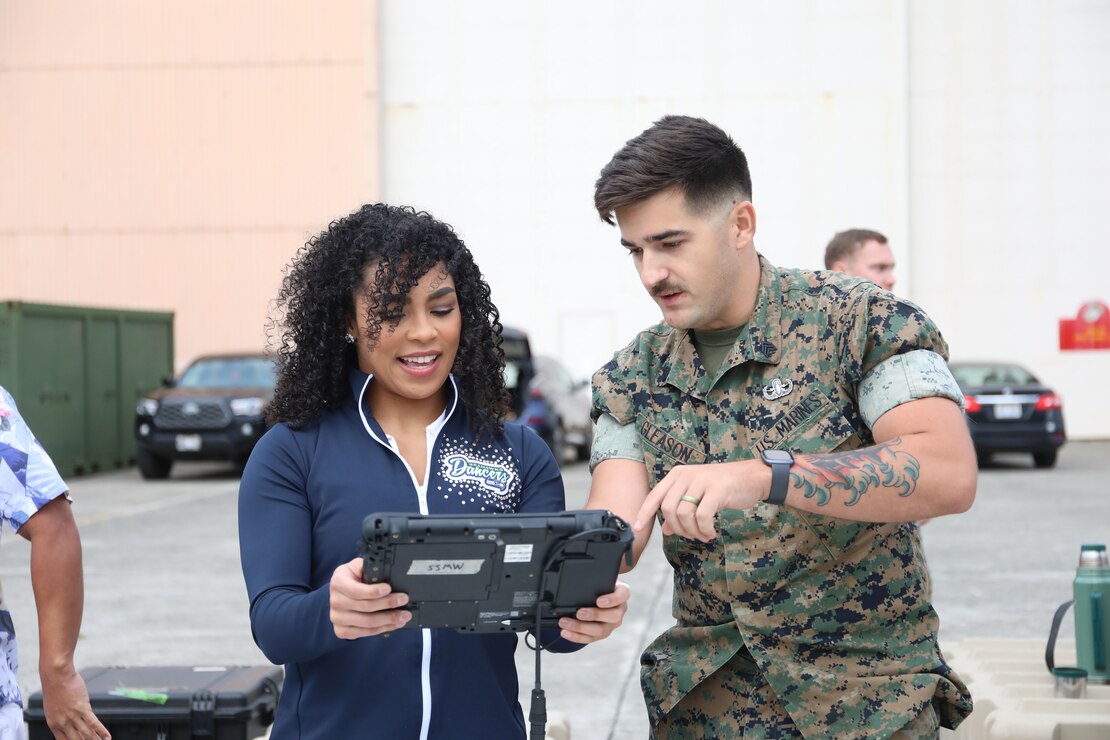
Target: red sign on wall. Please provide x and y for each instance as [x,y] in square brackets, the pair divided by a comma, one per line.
[1090,329]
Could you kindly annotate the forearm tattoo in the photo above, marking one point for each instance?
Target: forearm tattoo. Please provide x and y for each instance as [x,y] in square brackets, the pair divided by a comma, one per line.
[857,472]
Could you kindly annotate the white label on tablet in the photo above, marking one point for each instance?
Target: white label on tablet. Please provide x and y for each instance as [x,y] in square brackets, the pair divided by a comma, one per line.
[443,567]
[518,553]
[524,599]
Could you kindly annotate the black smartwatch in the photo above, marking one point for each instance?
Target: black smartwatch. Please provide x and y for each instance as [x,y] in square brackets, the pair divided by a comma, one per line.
[780,462]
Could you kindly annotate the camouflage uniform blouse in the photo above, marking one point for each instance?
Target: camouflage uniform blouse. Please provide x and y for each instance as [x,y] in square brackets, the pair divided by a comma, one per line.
[833,612]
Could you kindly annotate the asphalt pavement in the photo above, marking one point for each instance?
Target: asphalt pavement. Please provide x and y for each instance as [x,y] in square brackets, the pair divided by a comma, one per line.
[163,584]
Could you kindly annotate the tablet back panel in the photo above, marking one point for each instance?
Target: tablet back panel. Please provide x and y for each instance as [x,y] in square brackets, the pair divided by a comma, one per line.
[490,572]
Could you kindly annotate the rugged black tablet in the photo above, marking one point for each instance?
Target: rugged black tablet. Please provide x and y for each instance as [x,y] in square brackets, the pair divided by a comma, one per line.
[489,572]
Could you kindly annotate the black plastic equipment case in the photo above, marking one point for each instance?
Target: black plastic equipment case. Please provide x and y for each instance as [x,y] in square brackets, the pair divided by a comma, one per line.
[175,702]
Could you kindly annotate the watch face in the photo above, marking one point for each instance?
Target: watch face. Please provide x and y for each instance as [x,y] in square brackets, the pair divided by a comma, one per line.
[777,456]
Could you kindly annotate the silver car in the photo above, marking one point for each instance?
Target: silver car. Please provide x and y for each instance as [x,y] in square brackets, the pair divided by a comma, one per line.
[571,400]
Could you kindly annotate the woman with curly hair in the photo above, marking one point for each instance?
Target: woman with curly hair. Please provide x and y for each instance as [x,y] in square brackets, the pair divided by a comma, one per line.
[390,363]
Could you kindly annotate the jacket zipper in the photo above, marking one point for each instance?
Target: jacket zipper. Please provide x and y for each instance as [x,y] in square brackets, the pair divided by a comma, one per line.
[431,437]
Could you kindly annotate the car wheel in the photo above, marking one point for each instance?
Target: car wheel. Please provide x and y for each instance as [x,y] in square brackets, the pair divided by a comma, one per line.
[151,466]
[983,458]
[1045,459]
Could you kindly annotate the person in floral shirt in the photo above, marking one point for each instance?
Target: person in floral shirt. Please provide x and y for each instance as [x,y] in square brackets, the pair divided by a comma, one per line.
[34,501]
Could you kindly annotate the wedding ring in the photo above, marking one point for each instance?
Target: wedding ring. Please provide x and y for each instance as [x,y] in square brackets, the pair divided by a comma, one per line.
[691,499]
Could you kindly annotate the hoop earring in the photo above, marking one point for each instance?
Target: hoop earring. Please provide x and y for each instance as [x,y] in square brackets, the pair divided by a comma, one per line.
[349,337]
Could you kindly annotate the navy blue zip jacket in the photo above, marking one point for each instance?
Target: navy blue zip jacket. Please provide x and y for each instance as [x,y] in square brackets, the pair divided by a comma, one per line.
[302,500]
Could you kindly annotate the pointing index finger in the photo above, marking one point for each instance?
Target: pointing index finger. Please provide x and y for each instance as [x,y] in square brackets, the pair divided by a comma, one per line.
[651,504]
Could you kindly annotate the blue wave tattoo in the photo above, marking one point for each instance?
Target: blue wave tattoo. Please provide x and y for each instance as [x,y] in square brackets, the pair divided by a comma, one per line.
[857,472]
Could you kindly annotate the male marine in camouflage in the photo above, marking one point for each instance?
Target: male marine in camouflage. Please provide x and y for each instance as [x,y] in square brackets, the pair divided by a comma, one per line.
[789,426]
[863,253]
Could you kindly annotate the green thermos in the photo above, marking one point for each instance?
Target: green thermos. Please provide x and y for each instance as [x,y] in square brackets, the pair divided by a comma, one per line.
[1092,612]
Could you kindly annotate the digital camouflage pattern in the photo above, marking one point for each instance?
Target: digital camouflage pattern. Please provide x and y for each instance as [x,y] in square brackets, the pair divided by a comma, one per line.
[833,612]
[737,702]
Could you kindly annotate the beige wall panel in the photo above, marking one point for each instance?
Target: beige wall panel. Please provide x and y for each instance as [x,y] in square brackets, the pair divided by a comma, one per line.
[220,285]
[184,148]
[52,34]
[175,156]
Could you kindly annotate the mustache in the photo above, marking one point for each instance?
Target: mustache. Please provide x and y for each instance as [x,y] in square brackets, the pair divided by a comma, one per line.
[664,288]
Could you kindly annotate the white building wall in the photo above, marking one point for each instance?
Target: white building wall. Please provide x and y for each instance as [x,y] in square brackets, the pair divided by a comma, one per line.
[973,134]
[1009,166]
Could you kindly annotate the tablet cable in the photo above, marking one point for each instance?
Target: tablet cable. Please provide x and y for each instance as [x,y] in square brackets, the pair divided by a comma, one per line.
[537,712]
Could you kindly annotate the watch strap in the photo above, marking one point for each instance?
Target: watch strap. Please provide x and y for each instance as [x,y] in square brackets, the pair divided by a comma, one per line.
[780,477]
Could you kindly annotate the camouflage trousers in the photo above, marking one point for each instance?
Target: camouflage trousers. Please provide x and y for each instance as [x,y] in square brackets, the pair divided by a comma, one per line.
[735,702]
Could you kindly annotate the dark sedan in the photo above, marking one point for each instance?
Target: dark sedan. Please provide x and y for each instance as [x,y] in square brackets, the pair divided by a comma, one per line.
[1009,410]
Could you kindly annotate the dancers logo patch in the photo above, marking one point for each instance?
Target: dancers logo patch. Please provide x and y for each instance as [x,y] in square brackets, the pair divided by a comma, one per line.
[486,477]
[490,476]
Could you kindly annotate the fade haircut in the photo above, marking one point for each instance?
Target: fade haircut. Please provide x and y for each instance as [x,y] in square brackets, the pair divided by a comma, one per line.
[845,245]
[676,151]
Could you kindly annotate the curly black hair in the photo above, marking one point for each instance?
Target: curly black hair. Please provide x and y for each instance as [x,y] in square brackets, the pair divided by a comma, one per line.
[317,302]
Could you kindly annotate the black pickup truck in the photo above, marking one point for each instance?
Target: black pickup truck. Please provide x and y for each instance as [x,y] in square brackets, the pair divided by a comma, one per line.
[214,411]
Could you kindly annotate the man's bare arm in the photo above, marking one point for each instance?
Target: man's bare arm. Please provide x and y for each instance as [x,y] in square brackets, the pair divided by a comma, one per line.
[621,486]
[57,582]
[922,465]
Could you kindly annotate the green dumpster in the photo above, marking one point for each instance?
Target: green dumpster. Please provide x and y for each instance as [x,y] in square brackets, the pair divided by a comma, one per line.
[77,374]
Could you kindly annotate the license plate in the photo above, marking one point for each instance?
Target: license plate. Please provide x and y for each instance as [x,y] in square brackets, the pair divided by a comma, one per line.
[1007,411]
[187,443]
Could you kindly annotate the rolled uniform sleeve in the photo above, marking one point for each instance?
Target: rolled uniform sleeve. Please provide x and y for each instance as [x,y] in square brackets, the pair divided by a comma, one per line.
[614,403]
[615,440]
[907,377]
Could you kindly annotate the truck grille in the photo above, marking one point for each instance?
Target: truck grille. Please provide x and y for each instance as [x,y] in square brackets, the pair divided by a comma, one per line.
[185,413]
